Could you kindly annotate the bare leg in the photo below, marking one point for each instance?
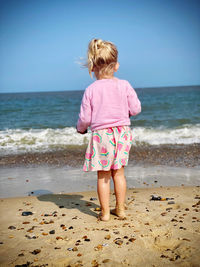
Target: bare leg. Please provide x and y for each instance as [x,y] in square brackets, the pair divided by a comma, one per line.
[120,191]
[103,190]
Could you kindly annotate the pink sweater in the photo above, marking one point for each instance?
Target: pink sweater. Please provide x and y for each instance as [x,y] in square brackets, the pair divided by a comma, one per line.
[107,103]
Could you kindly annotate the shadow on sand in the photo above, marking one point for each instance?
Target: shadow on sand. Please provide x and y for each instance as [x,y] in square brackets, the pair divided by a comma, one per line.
[71,201]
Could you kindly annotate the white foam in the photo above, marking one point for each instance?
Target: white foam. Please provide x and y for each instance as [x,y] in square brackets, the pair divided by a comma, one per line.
[156,136]
[14,141]
[39,140]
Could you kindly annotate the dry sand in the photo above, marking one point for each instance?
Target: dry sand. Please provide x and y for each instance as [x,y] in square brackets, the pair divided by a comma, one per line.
[155,233]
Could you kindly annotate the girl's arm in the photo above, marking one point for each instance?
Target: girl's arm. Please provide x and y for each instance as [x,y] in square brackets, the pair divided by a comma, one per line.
[85,114]
[133,102]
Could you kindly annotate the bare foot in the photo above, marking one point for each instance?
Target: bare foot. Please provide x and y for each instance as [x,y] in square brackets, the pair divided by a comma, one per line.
[118,212]
[104,218]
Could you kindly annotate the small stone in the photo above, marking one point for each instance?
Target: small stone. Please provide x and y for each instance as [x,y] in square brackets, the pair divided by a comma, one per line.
[27,213]
[11,227]
[171,202]
[99,247]
[54,212]
[57,248]
[132,239]
[44,233]
[71,227]
[118,242]
[59,237]
[36,251]
[87,239]
[97,209]
[94,263]
[30,237]
[75,249]
[52,232]
[26,222]
[107,237]
[61,207]
[106,260]
[168,209]
[79,255]
[93,198]
[125,237]
[21,254]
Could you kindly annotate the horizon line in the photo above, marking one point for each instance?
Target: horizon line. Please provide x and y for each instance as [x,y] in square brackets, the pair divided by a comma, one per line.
[51,91]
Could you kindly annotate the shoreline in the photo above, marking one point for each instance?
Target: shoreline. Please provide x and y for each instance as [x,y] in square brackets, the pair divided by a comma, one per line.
[50,179]
[63,230]
[61,171]
[73,156]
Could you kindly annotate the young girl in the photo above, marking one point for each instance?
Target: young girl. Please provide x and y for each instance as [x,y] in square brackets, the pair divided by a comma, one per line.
[106,107]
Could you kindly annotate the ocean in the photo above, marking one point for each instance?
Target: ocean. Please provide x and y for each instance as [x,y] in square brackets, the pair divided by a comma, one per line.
[46,121]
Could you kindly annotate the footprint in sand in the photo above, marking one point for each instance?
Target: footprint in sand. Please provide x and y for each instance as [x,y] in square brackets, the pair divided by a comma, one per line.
[172,248]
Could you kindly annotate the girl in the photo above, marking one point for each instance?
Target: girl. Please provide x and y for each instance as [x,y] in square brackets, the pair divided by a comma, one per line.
[106,107]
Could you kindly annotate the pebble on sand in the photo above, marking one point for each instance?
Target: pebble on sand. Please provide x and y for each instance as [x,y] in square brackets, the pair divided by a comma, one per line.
[36,251]
[27,213]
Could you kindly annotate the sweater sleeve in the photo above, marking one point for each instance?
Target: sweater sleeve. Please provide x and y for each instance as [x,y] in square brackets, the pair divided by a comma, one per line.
[133,101]
[84,120]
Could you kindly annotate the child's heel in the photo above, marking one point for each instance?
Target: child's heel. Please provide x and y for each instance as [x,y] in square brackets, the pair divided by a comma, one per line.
[119,212]
[104,218]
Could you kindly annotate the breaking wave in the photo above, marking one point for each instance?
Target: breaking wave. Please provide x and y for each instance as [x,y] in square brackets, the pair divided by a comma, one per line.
[17,141]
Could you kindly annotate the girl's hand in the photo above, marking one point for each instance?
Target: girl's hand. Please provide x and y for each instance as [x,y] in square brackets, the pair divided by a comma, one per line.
[81,132]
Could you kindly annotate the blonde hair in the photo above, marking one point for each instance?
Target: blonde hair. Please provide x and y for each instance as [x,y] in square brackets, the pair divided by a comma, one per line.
[102,57]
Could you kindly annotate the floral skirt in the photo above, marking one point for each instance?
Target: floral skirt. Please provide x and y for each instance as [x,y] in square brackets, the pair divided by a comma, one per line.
[108,149]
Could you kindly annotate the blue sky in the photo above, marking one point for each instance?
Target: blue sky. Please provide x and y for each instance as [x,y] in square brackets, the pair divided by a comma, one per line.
[41,41]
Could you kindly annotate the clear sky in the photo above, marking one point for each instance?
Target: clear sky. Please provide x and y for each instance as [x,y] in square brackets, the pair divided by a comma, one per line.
[41,41]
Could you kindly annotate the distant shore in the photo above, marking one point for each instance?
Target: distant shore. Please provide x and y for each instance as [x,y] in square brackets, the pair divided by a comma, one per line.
[73,156]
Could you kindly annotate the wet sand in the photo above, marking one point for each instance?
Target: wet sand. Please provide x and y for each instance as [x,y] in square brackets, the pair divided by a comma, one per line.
[64,231]
[73,156]
[46,179]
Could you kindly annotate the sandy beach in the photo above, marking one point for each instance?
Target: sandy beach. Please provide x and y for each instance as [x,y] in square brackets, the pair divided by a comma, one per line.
[62,226]
[63,230]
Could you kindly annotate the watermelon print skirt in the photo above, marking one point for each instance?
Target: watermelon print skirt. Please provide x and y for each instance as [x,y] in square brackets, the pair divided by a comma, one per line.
[108,149]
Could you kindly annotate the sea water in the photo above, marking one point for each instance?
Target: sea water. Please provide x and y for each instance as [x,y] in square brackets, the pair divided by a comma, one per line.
[46,121]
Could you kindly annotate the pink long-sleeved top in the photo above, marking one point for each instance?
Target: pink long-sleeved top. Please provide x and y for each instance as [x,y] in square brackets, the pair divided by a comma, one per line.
[107,103]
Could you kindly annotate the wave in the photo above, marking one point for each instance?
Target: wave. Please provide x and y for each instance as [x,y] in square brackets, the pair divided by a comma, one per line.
[17,141]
